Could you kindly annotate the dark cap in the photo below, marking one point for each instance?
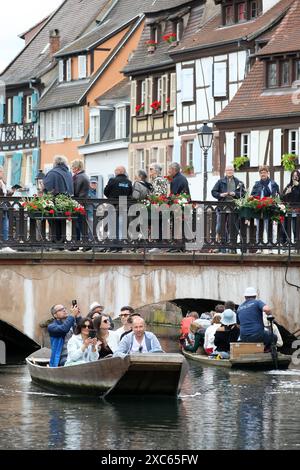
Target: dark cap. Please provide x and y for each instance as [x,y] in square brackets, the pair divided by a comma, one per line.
[16,186]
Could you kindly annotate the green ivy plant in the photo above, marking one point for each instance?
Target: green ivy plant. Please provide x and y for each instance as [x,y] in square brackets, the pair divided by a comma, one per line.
[289,161]
[238,162]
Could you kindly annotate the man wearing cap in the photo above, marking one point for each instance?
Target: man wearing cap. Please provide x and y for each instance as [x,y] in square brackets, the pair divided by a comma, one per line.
[250,319]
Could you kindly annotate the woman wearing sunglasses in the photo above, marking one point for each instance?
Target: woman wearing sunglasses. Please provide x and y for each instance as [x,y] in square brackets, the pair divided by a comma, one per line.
[82,347]
[109,340]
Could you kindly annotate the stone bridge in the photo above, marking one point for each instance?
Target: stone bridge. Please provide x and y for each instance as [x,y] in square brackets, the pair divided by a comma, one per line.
[31,283]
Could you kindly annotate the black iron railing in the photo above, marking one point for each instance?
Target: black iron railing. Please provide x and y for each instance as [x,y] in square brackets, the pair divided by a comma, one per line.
[108,225]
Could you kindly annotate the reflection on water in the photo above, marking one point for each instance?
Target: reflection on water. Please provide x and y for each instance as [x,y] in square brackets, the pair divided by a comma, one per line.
[217,409]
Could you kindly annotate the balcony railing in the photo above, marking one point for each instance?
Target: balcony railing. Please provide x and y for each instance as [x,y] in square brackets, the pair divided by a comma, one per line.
[16,135]
[205,227]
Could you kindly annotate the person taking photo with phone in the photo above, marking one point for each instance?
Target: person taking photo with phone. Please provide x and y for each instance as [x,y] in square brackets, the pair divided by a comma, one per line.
[83,346]
[60,331]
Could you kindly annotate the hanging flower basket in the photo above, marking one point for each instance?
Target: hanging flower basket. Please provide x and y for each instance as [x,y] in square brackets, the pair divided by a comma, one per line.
[156,105]
[170,38]
[151,46]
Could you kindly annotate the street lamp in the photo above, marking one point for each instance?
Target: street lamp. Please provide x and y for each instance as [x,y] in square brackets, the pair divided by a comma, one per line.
[39,181]
[205,137]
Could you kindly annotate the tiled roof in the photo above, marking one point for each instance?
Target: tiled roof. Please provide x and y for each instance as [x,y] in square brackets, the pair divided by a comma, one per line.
[252,101]
[287,36]
[120,15]
[161,5]
[213,33]
[31,60]
[62,95]
[142,61]
[117,92]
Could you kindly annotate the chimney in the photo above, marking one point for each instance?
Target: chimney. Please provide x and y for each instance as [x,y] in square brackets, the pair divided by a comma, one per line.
[54,39]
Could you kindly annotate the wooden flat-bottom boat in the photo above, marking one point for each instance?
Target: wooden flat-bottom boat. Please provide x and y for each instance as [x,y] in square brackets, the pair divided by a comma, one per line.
[139,374]
[258,361]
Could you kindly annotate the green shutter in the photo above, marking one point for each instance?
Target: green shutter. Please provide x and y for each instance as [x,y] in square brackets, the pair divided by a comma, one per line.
[18,109]
[35,164]
[34,102]
[16,168]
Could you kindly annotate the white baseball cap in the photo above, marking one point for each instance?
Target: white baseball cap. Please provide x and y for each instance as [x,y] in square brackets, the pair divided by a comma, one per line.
[250,292]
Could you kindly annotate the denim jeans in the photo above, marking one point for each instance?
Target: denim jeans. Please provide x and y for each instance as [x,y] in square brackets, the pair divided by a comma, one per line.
[5,226]
[265,337]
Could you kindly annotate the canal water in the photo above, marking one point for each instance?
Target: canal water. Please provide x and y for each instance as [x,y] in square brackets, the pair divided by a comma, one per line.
[217,409]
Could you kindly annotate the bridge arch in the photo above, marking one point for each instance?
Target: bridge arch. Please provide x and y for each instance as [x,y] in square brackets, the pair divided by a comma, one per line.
[17,345]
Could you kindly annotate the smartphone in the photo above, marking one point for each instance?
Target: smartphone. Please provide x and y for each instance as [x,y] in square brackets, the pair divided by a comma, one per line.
[74,303]
[92,334]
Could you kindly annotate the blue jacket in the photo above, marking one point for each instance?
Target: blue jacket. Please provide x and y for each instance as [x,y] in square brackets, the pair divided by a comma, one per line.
[59,181]
[58,331]
[180,185]
[152,344]
[258,188]
[221,186]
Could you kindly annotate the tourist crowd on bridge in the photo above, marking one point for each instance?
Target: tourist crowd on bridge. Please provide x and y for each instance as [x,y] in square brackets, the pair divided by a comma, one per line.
[60,180]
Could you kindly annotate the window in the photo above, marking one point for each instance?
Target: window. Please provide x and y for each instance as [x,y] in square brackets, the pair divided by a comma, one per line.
[82,66]
[187,80]
[245,145]
[77,122]
[241,12]
[220,79]
[94,126]
[28,108]
[272,74]
[64,123]
[140,155]
[190,153]
[253,10]
[293,142]
[297,70]
[229,15]
[285,73]
[121,123]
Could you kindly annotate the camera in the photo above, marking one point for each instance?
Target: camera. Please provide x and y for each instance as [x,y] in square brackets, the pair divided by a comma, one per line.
[92,334]
[74,303]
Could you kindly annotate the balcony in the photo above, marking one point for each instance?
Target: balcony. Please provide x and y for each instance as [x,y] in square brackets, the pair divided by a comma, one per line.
[18,136]
[209,227]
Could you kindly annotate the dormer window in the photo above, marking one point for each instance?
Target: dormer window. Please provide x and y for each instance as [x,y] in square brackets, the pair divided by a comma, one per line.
[281,72]
[154,33]
[237,11]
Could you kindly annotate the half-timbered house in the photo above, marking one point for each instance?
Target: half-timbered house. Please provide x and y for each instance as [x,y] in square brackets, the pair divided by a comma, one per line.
[263,120]
[153,84]
[212,63]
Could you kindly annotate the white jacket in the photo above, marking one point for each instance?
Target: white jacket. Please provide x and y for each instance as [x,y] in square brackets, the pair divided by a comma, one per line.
[209,340]
[75,353]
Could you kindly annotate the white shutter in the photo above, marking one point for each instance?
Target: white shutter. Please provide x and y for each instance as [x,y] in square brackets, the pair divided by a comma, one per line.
[187,80]
[69,124]
[42,127]
[150,93]
[165,92]
[74,122]
[69,70]
[61,71]
[57,125]
[277,153]
[159,89]
[220,79]
[131,164]
[81,122]
[145,93]
[63,123]
[173,91]
[162,159]
[133,98]
[82,66]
